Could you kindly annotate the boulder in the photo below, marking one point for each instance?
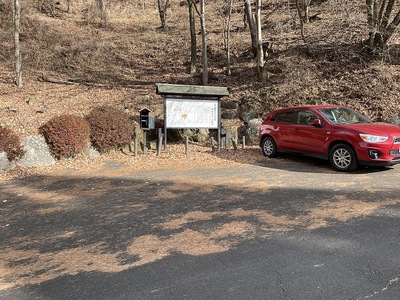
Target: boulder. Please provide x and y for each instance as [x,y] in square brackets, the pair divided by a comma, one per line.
[5,164]
[37,152]
[251,131]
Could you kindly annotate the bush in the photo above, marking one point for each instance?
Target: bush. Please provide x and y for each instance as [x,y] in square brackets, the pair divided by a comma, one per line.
[11,144]
[66,135]
[110,128]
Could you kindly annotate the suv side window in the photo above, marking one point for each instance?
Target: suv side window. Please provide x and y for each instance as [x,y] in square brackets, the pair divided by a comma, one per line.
[305,117]
[284,116]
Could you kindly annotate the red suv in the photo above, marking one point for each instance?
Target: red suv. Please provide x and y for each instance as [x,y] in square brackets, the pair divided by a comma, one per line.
[343,136]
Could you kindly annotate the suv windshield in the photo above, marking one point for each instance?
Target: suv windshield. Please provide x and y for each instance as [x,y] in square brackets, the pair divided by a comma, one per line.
[341,115]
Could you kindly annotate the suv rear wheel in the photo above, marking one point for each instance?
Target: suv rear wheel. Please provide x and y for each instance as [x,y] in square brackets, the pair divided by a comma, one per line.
[268,147]
[343,158]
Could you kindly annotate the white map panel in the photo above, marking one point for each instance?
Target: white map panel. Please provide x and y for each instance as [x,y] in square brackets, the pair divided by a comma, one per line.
[191,113]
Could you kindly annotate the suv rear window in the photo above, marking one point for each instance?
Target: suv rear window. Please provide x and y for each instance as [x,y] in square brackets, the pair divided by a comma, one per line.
[284,116]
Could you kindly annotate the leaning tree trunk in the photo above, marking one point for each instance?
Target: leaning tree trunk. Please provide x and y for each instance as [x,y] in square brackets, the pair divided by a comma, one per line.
[204,42]
[193,39]
[18,59]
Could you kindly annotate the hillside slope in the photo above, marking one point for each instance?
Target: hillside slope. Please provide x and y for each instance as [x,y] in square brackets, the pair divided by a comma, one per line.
[119,65]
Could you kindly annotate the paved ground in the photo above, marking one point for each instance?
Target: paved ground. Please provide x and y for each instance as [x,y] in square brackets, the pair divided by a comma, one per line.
[277,229]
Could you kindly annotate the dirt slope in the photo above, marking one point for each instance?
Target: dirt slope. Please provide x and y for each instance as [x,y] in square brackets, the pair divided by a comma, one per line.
[120,64]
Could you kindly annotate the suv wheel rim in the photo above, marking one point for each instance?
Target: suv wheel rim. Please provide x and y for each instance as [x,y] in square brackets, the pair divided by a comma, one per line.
[342,158]
[268,147]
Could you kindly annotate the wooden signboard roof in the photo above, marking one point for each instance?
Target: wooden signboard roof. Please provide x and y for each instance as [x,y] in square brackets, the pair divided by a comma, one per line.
[191,90]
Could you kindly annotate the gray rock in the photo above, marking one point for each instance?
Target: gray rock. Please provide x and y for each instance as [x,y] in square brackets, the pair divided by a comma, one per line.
[252,131]
[37,152]
[5,164]
[230,114]
[230,104]
[91,152]
[197,135]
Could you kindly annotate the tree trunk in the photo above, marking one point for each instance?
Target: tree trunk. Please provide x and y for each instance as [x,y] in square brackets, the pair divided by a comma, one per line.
[69,6]
[103,12]
[53,8]
[163,6]
[380,27]
[227,37]
[260,51]
[18,59]
[193,39]
[204,42]
[252,26]
[302,21]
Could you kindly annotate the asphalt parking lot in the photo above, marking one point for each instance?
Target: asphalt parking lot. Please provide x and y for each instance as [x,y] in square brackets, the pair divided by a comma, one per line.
[288,228]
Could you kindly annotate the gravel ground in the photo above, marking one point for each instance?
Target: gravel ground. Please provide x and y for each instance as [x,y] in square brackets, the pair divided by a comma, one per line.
[174,157]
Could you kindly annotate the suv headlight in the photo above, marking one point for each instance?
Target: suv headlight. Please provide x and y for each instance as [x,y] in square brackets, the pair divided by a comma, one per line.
[369,138]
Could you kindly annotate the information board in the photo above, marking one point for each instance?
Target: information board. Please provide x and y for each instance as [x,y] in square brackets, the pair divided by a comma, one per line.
[191,113]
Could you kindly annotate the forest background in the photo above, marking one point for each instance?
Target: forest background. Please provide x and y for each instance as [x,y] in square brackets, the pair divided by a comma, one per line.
[79,54]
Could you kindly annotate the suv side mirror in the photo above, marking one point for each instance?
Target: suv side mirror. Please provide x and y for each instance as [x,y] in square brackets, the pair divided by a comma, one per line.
[316,123]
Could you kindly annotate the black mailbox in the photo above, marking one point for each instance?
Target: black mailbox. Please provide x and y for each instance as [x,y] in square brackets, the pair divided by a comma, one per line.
[146,119]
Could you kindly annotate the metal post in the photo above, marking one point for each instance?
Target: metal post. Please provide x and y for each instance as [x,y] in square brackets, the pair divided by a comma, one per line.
[165,123]
[219,124]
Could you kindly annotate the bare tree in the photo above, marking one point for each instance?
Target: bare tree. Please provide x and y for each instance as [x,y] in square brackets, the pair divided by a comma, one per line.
[227,33]
[252,27]
[204,42]
[163,6]
[18,59]
[381,28]
[193,39]
[303,9]
[262,72]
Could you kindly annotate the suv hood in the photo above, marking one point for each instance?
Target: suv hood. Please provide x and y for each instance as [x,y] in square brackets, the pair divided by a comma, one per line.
[376,128]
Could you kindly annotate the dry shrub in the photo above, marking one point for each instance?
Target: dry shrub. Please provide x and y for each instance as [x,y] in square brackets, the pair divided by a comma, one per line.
[110,128]
[11,144]
[66,135]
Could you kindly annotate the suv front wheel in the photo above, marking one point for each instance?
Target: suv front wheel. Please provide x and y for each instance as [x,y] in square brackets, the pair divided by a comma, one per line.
[343,158]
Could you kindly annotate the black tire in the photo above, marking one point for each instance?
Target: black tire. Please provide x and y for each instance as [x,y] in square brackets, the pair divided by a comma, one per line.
[268,147]
[343,158]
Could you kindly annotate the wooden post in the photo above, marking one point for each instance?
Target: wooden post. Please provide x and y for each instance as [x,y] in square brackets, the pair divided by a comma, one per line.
[212,144]
[135,146]
[160,141]
[227,138]
[234,144]
[186,145]
[243,142]
[144,142]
